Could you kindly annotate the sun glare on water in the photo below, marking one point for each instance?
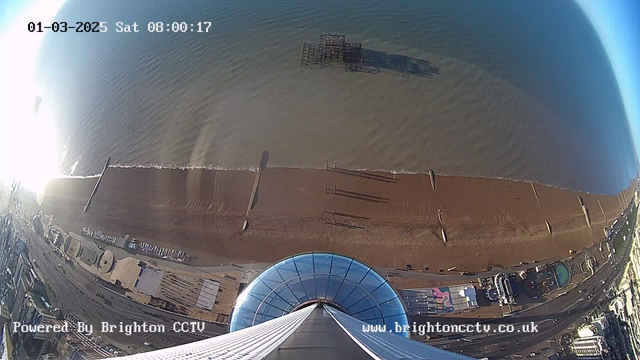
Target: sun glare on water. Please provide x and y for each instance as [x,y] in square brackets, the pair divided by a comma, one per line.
[28,143]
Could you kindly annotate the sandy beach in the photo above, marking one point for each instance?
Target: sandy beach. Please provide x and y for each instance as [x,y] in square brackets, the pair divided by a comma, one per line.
[381,219]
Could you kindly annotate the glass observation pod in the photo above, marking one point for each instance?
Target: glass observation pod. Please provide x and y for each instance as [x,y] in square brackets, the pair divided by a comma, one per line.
[335,280]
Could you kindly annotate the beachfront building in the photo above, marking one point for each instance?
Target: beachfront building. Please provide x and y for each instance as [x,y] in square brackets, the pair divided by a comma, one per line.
[440,300]
[628,295]
[34,309]
[77,345]
[6,347]
[322,305]
[592,347]
[505,292]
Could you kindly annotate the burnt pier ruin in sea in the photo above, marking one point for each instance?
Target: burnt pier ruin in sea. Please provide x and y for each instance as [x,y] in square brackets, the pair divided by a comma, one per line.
[333,48]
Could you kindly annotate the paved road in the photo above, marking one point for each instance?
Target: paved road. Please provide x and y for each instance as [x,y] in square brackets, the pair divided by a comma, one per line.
[553,317]
[74,292]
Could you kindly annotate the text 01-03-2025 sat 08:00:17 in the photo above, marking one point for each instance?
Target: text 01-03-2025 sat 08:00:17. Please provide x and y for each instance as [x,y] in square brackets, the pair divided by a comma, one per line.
[103,26]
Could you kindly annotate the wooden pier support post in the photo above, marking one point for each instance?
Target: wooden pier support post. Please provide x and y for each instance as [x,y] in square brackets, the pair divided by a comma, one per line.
[586,215]
[95,188]
[548,227]
[432,176]
[254,190]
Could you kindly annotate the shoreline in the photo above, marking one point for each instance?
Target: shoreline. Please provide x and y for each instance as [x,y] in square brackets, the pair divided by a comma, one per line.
[380,171]
[489,222]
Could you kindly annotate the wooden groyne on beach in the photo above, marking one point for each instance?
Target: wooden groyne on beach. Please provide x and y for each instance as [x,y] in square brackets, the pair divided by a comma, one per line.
[95,189]
[254,190]
[432,177]
[297,210]
[585,211]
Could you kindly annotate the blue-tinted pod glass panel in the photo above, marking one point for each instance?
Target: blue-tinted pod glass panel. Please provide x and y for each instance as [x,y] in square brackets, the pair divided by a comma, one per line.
[340,265]
[344,283]
[322,263]
[287,269]
[322,285]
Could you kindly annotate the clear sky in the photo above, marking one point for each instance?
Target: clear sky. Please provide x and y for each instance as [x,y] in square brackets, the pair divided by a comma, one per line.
[618,25]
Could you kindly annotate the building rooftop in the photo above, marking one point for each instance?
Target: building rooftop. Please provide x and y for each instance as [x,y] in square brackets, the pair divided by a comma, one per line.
[126,272]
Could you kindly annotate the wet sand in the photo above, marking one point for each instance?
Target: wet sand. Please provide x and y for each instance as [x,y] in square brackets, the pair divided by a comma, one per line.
[393,220]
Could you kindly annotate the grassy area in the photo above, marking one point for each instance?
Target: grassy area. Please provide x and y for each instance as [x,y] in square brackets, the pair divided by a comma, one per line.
[618,242]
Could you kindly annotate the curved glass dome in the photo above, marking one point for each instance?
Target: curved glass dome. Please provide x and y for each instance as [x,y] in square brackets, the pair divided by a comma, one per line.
[342,282]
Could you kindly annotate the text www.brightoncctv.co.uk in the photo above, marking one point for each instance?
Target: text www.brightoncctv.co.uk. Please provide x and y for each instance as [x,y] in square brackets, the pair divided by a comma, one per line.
[437,328]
